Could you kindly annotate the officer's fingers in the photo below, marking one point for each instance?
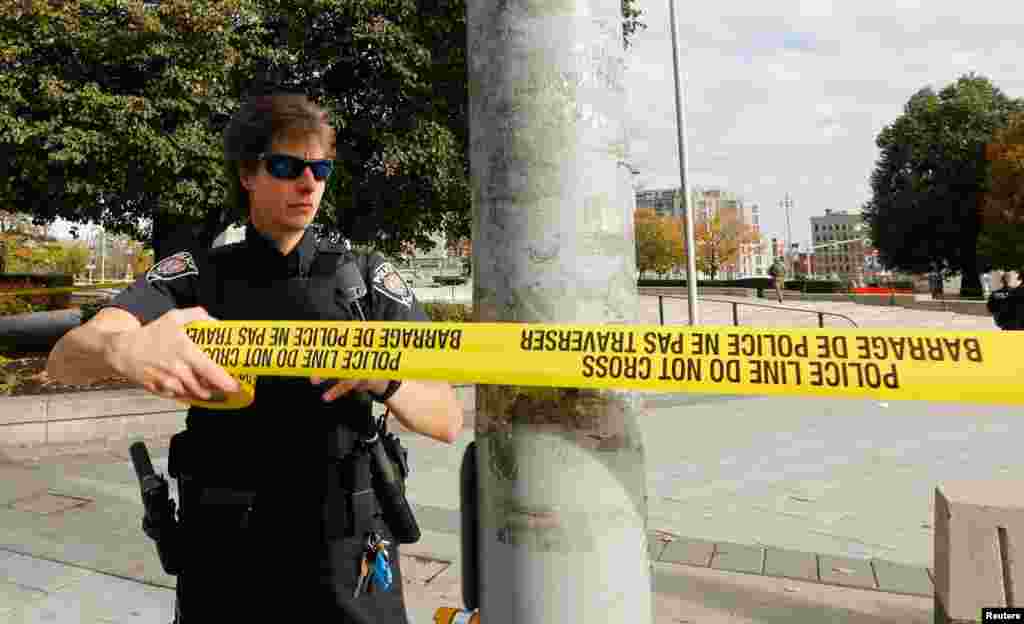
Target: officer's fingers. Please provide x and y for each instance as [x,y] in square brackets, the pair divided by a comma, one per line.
[184,316]
[169,387]
[210,373]
[341,388]
[191,383]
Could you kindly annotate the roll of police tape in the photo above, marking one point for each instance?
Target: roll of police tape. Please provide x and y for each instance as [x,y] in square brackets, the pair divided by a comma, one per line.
[979,367]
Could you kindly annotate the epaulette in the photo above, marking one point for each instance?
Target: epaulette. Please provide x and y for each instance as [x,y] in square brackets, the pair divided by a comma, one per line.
[224,250]
[328,245]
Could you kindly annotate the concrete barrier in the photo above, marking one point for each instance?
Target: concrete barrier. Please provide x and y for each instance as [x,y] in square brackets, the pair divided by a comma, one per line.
[33,426]
[979,531]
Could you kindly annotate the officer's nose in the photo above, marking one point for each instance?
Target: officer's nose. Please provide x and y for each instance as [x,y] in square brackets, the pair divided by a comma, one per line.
[306,180]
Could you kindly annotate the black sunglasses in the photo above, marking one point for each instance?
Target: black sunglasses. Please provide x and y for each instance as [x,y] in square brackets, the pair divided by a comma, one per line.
[285,167]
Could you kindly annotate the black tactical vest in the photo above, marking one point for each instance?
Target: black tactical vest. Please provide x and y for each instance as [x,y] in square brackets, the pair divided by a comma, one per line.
[289,539]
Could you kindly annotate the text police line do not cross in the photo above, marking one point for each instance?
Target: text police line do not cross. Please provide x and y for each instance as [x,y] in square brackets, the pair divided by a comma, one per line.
[893,364]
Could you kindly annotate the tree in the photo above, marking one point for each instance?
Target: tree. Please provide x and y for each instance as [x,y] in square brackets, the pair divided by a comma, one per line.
[111,110]
[75,258]
[719,242]
[930,179]
[1001,241]
[659,241]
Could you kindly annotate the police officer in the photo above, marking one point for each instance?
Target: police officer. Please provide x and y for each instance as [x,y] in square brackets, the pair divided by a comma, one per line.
[1006,305]
[272,523]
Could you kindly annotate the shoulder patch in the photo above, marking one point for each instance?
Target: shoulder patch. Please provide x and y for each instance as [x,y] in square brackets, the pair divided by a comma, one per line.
[389,283]
[172,267]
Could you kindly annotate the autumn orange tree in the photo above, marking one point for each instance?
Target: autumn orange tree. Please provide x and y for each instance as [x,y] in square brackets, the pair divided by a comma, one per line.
[1001,241]
[719,242]
[659,242]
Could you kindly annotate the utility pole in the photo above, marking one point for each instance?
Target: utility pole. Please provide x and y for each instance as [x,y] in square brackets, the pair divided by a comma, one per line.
[788,203]
[103,255]
[684,184]
[562,485]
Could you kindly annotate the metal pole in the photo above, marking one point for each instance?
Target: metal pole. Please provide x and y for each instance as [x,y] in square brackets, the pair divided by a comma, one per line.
[103,256]
[691,247]
[562,505]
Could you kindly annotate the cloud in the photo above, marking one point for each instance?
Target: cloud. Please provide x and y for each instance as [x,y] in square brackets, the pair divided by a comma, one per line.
[789,96]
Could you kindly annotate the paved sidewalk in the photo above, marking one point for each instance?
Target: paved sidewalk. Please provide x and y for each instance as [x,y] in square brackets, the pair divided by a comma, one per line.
[71,550]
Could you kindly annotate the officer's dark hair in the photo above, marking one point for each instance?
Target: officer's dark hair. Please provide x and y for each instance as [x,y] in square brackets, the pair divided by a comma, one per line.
[260,121]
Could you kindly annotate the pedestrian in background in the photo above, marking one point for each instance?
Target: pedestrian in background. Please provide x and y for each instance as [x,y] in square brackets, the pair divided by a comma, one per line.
[778,274]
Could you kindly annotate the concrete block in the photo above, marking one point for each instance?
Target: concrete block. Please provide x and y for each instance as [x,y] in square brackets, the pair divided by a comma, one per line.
[22,409]
[738,558]
[902,579]
[152,425]
[88,430]
[979,530]
[791,564]
[21,435]
[99,403]
[688,551]
[846,571]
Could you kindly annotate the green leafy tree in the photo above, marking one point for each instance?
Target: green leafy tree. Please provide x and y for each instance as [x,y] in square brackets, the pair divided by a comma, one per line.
[111,110]
[930,179]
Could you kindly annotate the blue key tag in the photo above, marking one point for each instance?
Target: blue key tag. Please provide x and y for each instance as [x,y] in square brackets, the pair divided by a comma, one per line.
[382,572]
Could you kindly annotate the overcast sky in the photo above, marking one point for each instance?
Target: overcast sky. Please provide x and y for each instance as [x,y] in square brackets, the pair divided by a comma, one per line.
[788,96]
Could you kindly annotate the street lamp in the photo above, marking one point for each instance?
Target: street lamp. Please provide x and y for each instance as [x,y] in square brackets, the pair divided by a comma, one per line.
[787,203]
[691,256]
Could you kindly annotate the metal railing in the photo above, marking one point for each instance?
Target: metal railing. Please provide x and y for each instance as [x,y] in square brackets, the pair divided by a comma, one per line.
[736,313]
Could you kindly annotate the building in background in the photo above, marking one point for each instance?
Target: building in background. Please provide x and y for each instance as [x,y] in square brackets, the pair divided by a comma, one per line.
[841,245]
[708,203]
[662,201]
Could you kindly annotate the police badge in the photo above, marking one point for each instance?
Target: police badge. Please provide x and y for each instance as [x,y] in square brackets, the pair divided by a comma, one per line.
[173,267]
[389,283]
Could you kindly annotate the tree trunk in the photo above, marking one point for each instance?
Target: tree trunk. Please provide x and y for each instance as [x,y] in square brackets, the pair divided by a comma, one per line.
[970,280]
[562,502]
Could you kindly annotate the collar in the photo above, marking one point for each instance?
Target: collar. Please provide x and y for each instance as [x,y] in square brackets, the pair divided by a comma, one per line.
[297,262]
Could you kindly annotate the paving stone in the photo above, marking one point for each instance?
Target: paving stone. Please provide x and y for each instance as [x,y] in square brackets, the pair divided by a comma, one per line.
[846,571]
[102,598]
[902,578]
[37,574]
[48,502]
[738,558]
[688,551]
[791,564]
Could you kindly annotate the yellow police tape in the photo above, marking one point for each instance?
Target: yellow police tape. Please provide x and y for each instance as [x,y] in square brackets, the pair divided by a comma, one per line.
[977,367]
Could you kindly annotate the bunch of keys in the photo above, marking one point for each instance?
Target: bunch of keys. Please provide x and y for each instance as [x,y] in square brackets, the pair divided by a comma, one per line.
[374,566]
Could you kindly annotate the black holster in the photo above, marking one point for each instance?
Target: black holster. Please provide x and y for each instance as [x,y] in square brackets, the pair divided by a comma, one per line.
[159,521]
[390,468]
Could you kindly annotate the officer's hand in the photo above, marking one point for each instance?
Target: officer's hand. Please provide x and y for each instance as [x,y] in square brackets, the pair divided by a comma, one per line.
[163,359]
[341,387]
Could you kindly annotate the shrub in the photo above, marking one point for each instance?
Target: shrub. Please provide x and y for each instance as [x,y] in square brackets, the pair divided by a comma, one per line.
[440,312]
[21,304]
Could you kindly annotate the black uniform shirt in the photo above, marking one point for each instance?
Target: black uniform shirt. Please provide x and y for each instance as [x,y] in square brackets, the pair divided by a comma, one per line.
[174,281]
